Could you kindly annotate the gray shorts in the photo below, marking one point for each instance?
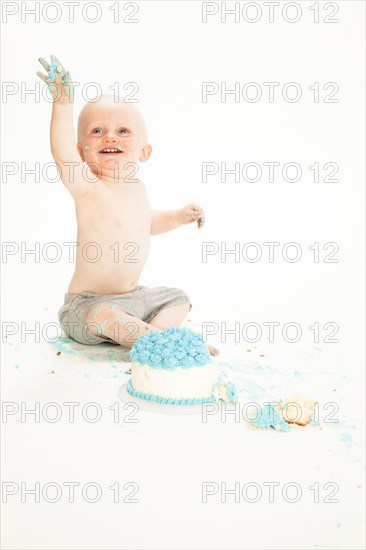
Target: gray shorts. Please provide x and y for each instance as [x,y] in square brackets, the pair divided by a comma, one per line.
[143,303]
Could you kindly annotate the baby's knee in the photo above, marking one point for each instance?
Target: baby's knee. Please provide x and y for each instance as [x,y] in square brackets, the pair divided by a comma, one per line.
[100,315]
[97,312]
[103,315]
[181,297]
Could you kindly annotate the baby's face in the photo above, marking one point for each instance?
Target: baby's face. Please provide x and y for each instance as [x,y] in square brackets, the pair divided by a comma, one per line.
[110,135]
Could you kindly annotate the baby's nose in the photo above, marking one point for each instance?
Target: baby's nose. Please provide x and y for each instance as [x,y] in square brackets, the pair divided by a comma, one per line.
[110,136]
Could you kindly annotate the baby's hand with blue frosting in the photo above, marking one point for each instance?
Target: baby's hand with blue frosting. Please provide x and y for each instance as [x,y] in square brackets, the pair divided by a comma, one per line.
[191,213]
[58,80]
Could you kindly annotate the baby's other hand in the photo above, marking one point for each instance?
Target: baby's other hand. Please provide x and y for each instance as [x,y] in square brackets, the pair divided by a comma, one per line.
[191,213]
[58,80]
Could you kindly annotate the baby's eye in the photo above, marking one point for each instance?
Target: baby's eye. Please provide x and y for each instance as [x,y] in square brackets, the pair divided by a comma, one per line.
[123,131]
[97,131]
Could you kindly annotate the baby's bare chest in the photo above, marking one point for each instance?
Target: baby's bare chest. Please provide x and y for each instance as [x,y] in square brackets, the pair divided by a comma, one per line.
[120,208]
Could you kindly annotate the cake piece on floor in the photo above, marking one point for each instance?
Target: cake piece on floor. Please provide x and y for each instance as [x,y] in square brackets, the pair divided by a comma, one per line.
[297,409]
[293,410]
[268,417]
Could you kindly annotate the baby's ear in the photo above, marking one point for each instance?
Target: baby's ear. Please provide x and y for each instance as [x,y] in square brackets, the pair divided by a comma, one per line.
[145,153]
[80,151]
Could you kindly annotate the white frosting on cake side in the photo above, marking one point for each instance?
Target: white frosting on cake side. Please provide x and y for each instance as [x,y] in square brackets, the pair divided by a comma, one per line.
[179,383]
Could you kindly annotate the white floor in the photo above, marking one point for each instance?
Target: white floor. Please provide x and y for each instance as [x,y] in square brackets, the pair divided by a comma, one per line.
[165,459]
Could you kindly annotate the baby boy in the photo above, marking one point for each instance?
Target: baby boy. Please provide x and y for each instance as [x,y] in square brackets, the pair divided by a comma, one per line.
[104,301]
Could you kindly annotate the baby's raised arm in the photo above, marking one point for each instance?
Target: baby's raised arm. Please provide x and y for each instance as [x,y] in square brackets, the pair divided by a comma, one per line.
[62,132]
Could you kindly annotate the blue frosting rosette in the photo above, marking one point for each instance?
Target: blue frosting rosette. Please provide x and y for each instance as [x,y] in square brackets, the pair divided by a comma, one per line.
[171,348]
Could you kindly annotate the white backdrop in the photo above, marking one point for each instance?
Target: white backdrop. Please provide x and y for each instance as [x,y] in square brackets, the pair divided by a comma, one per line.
[169,53]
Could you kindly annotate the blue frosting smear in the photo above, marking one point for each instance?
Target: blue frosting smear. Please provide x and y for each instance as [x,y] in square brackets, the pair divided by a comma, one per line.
[270,417]
[170,349]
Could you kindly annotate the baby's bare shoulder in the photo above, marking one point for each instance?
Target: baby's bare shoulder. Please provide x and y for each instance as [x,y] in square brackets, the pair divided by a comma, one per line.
[134,186]
[108,188]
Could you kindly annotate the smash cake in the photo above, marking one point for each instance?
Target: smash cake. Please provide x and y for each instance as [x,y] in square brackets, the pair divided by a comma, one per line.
[174,367]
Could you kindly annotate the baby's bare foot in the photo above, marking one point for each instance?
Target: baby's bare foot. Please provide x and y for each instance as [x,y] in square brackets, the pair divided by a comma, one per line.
[213,350]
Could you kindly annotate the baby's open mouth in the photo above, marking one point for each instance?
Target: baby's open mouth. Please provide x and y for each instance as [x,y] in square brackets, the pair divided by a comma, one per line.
[111,150]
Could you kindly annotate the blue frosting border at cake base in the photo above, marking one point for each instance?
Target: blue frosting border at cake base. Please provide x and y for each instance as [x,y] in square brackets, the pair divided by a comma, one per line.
[168,401]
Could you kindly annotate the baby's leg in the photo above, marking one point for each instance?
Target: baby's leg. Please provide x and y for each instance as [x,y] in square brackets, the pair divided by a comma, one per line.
[103,320]
[173,317]
[170,316]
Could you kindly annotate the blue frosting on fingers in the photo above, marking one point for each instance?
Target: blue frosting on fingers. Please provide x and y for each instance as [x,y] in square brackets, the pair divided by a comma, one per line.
[55,68]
